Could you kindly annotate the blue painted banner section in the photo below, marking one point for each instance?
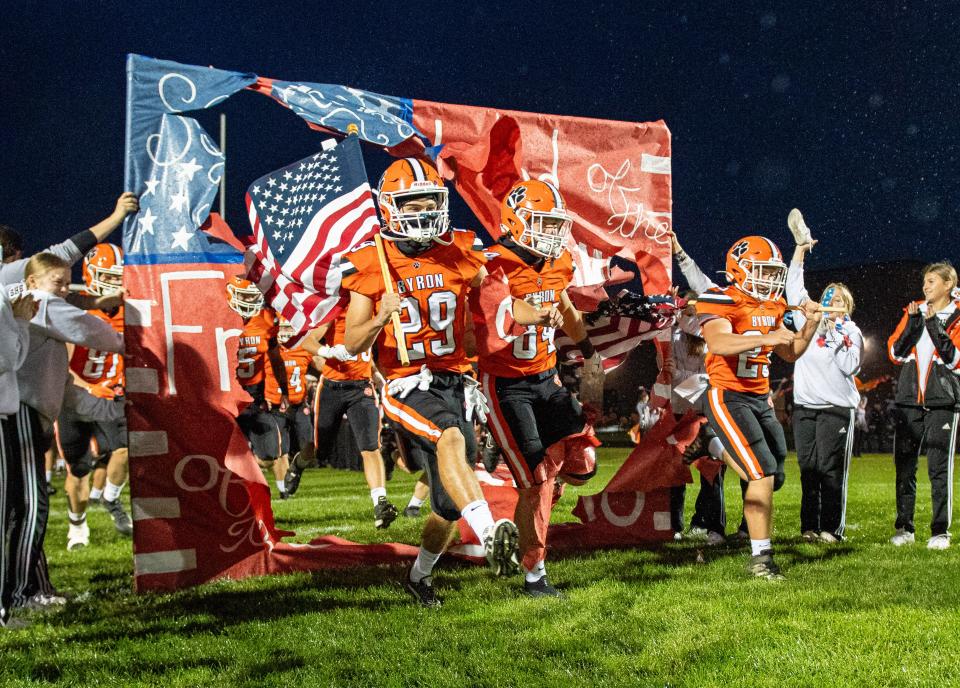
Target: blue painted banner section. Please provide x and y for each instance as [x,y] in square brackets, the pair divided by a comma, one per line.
[225,258]
[379,119]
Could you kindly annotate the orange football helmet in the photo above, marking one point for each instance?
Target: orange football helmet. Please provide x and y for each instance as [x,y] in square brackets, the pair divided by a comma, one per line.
[103,269]
[244,297]
[535,215]
[406,180]
[285,330]
[755,265]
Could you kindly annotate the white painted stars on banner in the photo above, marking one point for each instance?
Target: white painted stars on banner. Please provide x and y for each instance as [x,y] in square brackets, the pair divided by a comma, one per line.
[184,173]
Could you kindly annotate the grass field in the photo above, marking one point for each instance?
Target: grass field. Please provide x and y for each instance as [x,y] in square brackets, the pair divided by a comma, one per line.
[860,613]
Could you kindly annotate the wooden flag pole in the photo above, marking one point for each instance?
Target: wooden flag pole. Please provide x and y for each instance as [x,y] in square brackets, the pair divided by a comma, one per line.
[388,287]
[822,309]
[223,171]
[353,130]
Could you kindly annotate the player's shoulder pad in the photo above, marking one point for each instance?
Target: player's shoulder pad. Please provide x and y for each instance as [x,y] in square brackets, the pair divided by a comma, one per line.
[466,238]
[716,295]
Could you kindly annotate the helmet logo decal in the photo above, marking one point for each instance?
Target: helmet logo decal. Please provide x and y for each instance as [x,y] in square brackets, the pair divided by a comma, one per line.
[740,249]
[516,197]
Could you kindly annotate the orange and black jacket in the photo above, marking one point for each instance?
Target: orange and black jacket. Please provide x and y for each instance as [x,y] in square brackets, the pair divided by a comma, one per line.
[930,376]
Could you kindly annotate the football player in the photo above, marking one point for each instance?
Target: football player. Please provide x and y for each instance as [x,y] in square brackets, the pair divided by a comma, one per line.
[347,389]
[97,447]
[742,324]
[295,421]
[532,413]
[432,267]
[258,344]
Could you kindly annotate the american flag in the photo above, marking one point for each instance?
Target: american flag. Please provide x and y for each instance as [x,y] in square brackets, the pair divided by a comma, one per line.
[621,324]
[305,217]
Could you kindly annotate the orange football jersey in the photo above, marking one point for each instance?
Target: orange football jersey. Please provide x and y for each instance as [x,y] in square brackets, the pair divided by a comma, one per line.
[532,352]
[102,370]
[253,346]
[297,362]
[749,371]
[433,288]
[357,368]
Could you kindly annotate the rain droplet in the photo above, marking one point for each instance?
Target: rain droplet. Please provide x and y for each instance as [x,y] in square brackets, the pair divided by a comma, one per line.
[780,83]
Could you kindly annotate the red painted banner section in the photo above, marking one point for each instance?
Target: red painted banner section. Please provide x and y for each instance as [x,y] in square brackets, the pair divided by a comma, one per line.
[201,506]
[614,176]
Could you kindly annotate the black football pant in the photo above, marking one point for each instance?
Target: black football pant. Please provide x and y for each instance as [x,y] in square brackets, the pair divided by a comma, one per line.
[24,506]
[824,439]
[936,430]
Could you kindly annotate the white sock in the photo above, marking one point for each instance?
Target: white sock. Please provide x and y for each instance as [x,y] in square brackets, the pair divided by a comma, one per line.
[281,486]
[423,566]
[536,573]
[760,546]
[415,501]
[376,493]
[49,475]
[478,517]
[716,448]
[76,519]
[95,493]
[111,492]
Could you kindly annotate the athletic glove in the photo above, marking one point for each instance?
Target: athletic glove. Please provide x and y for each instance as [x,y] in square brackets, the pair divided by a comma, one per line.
[476,402]
[402,386]
[338,352]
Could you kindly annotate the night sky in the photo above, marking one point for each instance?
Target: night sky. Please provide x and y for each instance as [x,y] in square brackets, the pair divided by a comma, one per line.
[849,114]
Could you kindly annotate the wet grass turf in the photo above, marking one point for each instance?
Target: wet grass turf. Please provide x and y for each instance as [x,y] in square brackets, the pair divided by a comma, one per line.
[859,613]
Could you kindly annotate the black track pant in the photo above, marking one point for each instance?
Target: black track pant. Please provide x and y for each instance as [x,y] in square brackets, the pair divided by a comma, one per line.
[24,506]
[935,429]
[824,439]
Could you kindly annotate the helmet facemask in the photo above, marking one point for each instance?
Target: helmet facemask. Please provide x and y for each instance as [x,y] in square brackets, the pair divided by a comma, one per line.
[246,301]
[105,281]
[284,332]
[544,233]
[421,226]
[765,280]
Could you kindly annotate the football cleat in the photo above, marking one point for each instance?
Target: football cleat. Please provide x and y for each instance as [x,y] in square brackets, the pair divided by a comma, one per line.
[799,229]
[411,512]
[422,591]
[43,601]
[714,538]
[121,520]
[829,537]
[902,537]
[810,536]
[78,536]
[291,480]
[501,548]
[541,588]
[384,513]
[941,541]
[284,495]
[763,566]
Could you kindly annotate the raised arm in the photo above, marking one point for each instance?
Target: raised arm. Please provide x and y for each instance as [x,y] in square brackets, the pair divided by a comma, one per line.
[363,325]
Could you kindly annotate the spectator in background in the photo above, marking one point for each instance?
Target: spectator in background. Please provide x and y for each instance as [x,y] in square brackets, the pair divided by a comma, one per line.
[860,426]
[825,399]
[46,388]
[927,340]
[15,315]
